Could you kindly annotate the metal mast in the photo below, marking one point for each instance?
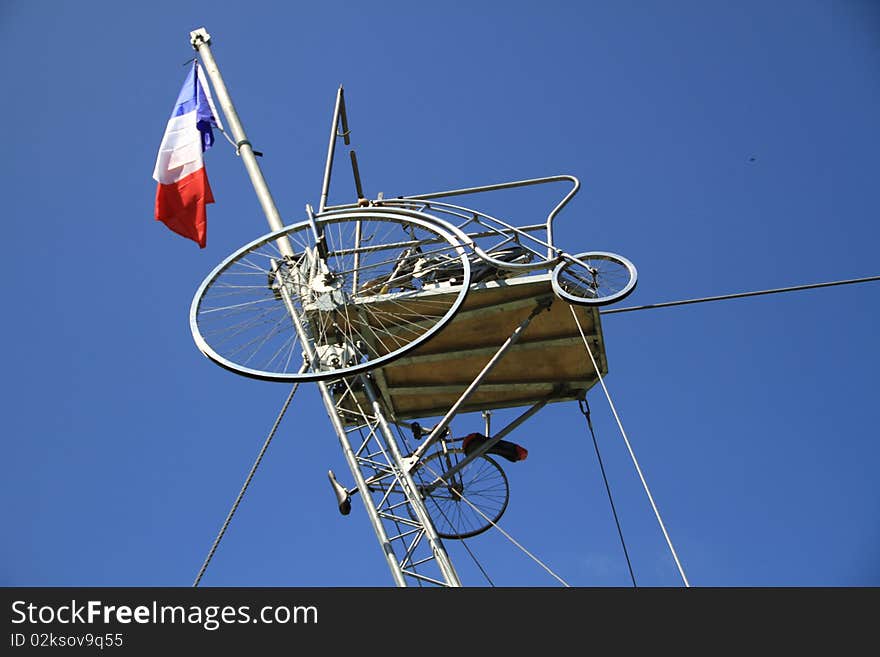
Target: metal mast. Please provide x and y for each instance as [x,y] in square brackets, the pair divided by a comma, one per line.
[406,534]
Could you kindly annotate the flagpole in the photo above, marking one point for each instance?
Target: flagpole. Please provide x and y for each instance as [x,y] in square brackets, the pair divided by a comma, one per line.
[201,42]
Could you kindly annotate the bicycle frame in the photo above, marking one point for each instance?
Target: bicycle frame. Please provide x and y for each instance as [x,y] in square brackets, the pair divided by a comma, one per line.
[552,251]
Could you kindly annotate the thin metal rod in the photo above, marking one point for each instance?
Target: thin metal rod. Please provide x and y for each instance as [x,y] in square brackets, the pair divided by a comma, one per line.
[247,481]
[631,452]
[331,148]
[485,447]
[359,189]
[343,116]
[356,265]
[740,295]
[201,40]
[576,184]
[318,232]
[440,428]
[552,252]
[585,410]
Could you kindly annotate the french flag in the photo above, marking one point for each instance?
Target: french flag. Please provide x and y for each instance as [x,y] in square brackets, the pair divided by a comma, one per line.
[183,191]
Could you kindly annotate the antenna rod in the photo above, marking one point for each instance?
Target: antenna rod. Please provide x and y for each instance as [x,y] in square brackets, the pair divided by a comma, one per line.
[344,118]
[357,176]
[201,42]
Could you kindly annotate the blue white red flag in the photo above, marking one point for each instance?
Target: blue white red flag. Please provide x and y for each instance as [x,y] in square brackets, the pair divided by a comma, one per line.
[183,191]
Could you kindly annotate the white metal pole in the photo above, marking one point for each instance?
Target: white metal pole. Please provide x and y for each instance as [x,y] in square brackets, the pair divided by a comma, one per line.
[201,41]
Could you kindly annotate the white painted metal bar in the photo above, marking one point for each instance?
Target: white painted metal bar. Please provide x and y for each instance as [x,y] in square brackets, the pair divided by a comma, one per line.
[485,447]
[201,40]
[440,428]
[511,185]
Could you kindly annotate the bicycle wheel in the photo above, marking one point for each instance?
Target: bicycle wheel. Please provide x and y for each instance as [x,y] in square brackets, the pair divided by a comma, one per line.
[475,497]
[324,301]
[594,279]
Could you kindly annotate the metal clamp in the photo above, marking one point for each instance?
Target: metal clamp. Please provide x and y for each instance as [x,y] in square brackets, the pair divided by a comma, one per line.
[244,142]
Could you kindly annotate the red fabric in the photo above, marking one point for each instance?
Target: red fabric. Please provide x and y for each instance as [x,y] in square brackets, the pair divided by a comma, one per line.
[182,206]
[469,438]
[511,451]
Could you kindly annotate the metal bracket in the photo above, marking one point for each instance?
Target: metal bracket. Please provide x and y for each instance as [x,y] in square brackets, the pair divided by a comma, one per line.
[245,142]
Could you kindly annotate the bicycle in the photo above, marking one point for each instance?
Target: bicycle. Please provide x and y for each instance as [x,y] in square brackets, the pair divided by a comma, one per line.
[594,278]
[313,272]
[465,491]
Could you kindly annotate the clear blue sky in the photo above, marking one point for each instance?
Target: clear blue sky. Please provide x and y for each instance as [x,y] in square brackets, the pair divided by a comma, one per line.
[754,420]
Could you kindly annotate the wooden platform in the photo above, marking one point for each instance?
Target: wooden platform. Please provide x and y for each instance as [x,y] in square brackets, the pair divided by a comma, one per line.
[548,362]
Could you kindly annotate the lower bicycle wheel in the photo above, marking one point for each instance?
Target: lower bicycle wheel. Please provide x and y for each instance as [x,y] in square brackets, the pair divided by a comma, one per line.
[595,278]
[325,300]
[471,500]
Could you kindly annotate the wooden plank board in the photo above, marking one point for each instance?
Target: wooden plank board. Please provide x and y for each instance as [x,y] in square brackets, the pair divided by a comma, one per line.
[549,361]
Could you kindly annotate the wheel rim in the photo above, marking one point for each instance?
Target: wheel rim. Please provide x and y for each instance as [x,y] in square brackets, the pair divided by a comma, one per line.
[353,314]
[596,278]
[483,484]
